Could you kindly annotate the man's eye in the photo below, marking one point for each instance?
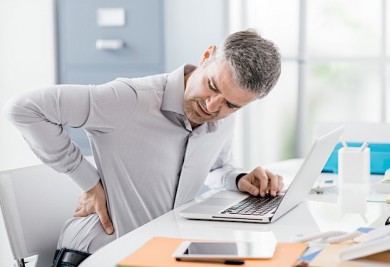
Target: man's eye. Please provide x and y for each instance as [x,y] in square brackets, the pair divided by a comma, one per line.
[231,106]
[211,86]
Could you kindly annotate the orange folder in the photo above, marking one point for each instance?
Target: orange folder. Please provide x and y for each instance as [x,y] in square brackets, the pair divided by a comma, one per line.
[158,252]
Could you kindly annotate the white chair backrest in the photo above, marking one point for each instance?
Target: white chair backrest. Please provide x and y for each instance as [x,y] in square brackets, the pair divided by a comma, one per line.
[36,201]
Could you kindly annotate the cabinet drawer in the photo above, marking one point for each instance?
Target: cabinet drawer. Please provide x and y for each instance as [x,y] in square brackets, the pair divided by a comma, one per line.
[142,33]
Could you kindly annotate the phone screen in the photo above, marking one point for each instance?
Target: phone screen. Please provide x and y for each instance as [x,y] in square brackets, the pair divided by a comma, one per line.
[225,250]
[204,248]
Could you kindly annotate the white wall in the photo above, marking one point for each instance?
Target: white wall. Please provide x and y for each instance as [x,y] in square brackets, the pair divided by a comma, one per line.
[27,62]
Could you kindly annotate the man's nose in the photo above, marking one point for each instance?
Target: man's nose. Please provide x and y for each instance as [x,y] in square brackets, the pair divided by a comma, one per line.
[214,102]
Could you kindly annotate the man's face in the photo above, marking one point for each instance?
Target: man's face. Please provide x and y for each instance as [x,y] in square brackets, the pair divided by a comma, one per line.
[210,93]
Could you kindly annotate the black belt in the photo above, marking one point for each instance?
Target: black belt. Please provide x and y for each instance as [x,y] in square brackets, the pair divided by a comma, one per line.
[69,256]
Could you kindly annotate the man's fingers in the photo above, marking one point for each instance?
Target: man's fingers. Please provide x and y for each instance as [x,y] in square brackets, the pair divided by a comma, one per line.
[250,188]
[261,182]
[263,178]
[94,201]
[273,183]
[80,213]
[103,217]
[78,208]
[105,221]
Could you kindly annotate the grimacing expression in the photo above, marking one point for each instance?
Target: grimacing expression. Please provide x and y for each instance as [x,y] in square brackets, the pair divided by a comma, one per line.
[211,94]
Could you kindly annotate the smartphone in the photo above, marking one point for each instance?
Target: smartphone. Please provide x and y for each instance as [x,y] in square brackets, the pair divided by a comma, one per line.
[209,251]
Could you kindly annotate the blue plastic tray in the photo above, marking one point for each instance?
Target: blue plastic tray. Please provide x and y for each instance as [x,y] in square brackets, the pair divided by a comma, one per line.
[379,157]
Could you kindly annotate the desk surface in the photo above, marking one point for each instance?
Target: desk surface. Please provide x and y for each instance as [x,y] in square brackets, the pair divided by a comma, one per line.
[343,211]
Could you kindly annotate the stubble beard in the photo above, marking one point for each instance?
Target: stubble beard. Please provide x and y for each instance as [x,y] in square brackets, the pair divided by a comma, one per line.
[192,115]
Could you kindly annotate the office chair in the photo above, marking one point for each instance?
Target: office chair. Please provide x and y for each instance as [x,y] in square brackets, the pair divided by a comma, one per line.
[36,201]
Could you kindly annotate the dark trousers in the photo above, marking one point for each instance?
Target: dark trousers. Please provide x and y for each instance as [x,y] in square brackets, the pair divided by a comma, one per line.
[68,257]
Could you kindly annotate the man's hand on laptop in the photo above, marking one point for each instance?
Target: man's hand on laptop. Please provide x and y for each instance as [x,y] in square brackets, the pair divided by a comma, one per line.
[94,201]
[261,182]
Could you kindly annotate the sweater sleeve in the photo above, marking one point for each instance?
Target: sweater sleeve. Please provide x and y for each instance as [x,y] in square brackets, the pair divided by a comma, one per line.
[41,114]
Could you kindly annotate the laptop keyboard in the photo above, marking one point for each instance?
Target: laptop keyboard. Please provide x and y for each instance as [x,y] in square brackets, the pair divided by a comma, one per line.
[254,205]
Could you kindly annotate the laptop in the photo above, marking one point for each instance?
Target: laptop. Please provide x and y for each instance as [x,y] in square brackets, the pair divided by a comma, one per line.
[234,206]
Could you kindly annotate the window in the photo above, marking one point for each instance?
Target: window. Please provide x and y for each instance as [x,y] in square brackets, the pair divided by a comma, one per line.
[336,67]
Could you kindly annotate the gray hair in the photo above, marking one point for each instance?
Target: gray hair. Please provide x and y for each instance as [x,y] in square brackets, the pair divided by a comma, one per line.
[255,61]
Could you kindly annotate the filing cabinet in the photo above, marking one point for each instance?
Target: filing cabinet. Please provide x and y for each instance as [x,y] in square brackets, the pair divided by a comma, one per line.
[100,40]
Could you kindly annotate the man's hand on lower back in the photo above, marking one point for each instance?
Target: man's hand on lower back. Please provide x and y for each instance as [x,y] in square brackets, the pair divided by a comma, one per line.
[94,201]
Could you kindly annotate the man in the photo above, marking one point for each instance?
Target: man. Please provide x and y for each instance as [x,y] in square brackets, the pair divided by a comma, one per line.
[154,139]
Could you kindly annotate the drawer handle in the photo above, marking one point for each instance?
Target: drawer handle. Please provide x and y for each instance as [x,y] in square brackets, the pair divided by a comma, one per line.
[109,44]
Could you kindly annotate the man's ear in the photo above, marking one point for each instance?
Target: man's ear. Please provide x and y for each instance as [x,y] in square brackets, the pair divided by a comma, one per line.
[208,53]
